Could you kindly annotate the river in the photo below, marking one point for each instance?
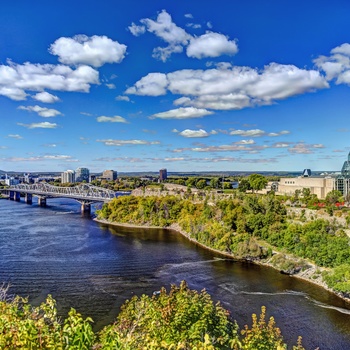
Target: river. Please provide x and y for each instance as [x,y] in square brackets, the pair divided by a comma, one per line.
[95,268]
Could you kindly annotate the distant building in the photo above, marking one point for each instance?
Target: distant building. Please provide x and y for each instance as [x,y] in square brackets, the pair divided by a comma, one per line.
[11,181]
[163,175]
[342,182]
[110,175]
[320,185]
[82,174]
[306,173]
[68,176]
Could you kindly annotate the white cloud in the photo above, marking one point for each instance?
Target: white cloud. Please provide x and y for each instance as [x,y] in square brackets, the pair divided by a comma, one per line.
[207,45]
[250,133]
[193,25]
[166,29]
[16,79]
[153,84]
[303,148]
[231,87]
[42,111]
[13,93]
[337,66]
[16,136]
[211,45]
[245,142]
[137,30]
[93,51]
[110,142]
[194,133]
[39,158]
[115,119]
[111,86]
[43,125]
[188,15]
[45,97]
[123,98]
[182,113]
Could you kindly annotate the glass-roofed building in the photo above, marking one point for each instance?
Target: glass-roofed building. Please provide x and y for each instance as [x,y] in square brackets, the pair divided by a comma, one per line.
[342,182]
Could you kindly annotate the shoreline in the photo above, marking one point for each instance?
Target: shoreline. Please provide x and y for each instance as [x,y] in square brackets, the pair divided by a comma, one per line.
[302,275]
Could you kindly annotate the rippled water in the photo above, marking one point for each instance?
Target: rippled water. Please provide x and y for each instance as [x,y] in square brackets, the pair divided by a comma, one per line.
[95,268]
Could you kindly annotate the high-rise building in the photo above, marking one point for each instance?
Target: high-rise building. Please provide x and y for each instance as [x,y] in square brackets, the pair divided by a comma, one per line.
[68,176]
[110,175]
[82,174]
[163,175]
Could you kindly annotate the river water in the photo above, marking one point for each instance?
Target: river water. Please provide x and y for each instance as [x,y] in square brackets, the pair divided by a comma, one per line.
[95,268]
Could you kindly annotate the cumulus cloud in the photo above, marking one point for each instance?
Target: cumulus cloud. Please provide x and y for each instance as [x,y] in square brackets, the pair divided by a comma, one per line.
[182,113]
[42,111]
[115,119]
[207,45]
[16,79]
[336,66]
[153,84]
[211,45]
[43,125]
[193,133]
[93,51]
[229,87]
[111,142]
[45,97]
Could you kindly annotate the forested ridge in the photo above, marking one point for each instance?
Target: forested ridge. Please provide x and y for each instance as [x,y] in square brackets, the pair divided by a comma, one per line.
[248,226]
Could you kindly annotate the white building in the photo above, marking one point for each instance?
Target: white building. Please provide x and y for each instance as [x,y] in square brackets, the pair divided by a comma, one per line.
[68,176]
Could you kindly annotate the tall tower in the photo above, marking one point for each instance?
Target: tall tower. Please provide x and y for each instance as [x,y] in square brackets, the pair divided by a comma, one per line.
[82,174]
[163,175]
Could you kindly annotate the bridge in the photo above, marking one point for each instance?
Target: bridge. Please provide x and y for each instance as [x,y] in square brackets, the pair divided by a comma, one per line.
[85,194]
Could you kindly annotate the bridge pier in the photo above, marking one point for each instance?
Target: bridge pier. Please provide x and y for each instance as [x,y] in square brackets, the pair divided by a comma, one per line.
[28,198]
[85,208]
[42,201]
[16,196]
[11,195]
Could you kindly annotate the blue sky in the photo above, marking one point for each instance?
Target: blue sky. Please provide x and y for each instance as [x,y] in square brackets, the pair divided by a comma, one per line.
[184,85]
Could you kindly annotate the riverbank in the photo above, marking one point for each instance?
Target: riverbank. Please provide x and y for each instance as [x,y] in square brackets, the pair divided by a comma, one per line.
[311,274]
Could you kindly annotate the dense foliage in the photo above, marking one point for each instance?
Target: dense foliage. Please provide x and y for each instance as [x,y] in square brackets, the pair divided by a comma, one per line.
[244,225]
[182,319]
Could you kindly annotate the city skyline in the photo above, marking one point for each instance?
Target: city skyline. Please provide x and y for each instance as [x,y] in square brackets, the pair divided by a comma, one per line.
[198,86]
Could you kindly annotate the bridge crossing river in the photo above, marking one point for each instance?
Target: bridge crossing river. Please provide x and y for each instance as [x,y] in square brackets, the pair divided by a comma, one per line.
[85,194]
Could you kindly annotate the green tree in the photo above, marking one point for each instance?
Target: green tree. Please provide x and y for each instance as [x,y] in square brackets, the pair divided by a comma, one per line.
[182,319]
[257,182]
[333,197]
[244,185]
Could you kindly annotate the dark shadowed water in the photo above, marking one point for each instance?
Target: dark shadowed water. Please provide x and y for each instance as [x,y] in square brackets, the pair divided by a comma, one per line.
[95,268]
